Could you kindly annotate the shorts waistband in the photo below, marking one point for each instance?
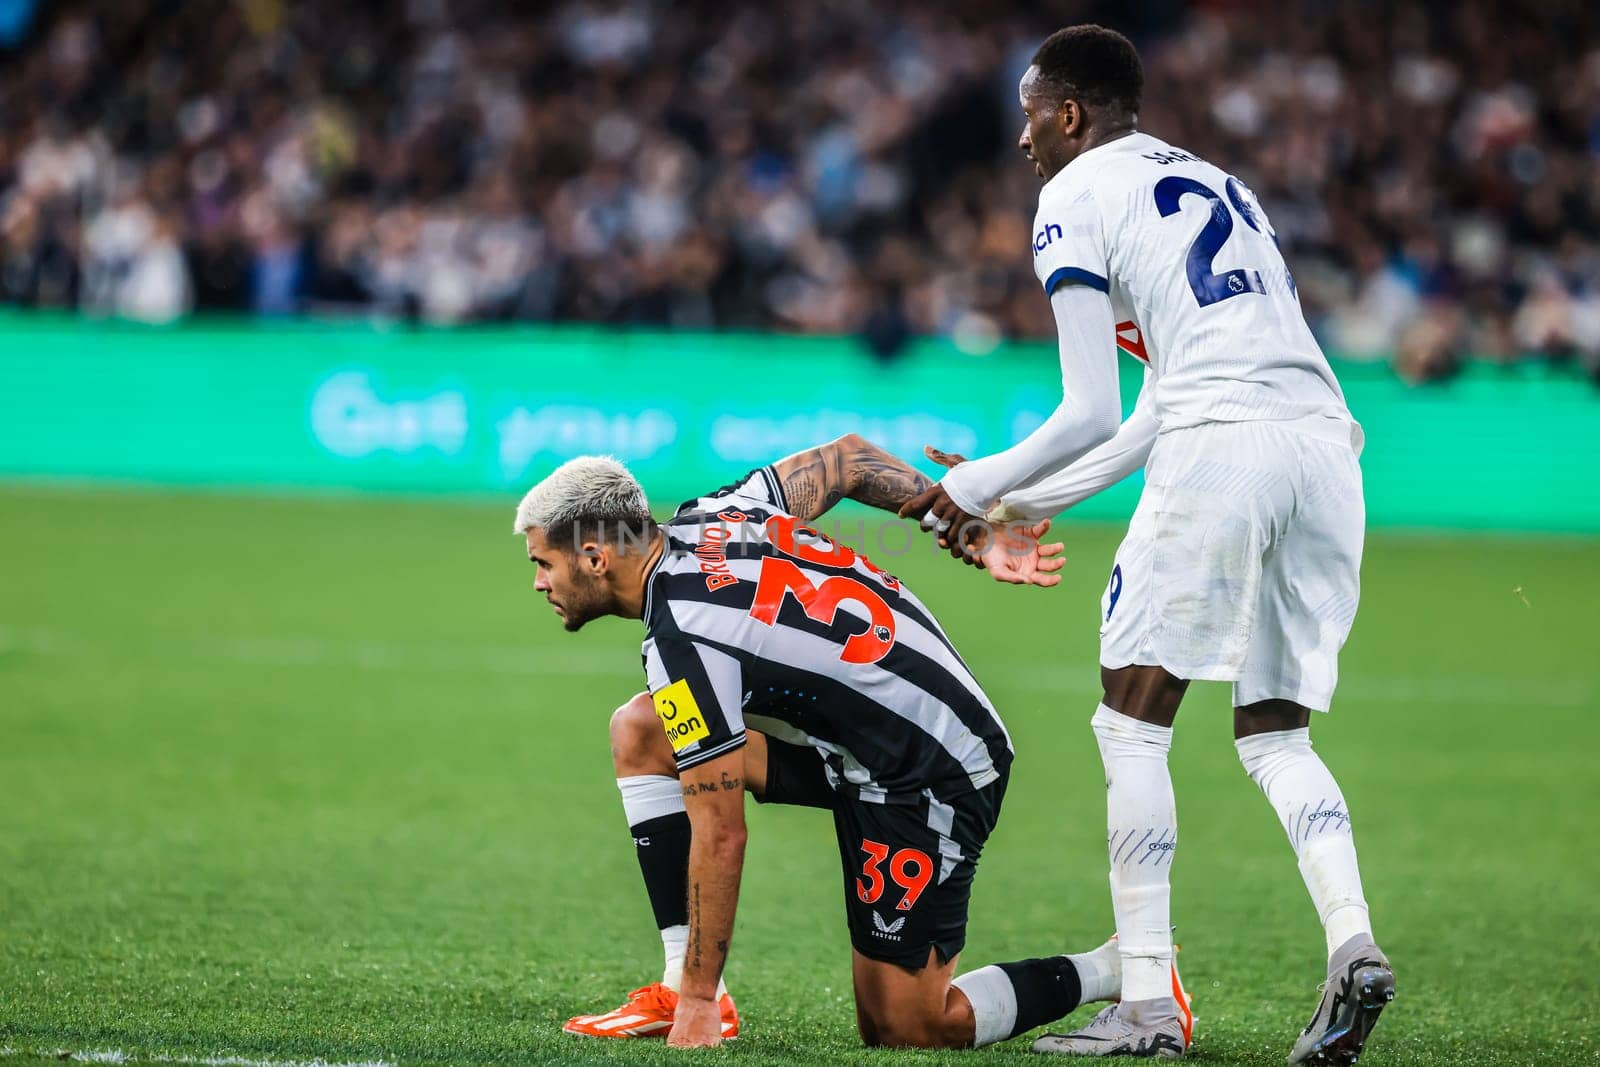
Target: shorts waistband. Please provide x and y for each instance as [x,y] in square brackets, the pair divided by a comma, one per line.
[1332,429]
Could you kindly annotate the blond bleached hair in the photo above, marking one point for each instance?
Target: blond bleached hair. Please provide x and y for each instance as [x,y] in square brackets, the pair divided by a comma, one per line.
[585,493]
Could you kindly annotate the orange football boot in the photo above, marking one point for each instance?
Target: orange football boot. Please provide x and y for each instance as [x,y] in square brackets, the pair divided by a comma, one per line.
[648,1012]
[1185,1002]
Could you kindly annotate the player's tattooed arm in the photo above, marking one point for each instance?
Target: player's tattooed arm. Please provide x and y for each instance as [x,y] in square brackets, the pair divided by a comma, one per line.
[818,478]
[727,784]
[713,795]
[883,481]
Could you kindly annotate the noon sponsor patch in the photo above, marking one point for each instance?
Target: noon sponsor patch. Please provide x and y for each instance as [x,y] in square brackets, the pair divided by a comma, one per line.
[680,715]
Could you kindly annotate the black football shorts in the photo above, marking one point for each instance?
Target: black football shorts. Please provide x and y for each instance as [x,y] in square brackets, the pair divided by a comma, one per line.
[908,866]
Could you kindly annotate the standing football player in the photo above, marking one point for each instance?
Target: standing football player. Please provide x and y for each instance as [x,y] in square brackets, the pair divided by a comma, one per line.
[1241,562]
[787,666]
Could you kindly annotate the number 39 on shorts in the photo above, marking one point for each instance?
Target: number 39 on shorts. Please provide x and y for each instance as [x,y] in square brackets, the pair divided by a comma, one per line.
[909,868]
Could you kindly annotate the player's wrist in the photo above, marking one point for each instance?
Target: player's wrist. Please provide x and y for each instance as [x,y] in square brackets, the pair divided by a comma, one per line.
[1004,514]
[964,495]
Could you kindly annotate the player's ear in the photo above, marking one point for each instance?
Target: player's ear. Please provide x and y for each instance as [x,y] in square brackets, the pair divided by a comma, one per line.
[595,557]
[1069,118]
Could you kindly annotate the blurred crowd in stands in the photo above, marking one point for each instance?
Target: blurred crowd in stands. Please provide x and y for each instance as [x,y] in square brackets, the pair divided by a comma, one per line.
[838,166]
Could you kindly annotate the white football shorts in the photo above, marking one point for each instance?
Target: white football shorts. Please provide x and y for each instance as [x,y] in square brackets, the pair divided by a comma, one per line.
[1242,562]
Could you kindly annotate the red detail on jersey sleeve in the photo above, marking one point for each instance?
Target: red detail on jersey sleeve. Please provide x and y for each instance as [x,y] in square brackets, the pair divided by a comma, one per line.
[1131,341]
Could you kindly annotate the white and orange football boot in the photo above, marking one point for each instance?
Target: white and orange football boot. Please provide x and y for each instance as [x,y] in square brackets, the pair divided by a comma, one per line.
[1184,1000]
[1180,995]
[1154,1029]
[648,1012]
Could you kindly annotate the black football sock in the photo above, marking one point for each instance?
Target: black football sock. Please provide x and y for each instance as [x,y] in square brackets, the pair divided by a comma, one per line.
[1012,998]
[662,845]
[653,804]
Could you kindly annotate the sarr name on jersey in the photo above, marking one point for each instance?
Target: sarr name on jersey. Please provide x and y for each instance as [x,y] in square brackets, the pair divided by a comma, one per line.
[1174,156]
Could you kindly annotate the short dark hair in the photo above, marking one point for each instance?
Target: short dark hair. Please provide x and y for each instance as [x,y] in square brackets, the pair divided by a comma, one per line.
[625,535]
[1090,63]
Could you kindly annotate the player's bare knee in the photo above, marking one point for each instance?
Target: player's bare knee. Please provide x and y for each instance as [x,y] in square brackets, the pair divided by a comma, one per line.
[900,1028]
[867,1028]
[912,1033]
[1269,716]
[960,1024]
[877,1035]
[638,745]
[1147,693]
[873,1023]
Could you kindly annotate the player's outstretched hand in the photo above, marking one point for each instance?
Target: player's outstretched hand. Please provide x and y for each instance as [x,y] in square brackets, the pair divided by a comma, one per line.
[697,1023]
[1015,556]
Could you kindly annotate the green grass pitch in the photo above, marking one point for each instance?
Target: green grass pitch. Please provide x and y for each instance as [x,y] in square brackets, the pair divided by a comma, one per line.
[289,779]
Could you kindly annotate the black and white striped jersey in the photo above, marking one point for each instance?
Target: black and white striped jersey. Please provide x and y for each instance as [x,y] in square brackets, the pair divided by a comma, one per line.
[755,620]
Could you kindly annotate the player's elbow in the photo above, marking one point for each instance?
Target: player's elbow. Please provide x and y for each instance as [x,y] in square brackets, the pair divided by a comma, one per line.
[1103,414]
[850,443]
[847,451]
[1095,421]
[1102,427]
[1106,413]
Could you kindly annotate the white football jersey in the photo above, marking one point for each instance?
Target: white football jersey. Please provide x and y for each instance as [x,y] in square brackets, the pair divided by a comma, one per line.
[1200,291]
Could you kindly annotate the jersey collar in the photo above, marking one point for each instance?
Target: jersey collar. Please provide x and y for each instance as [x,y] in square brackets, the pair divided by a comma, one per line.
[650,579]
[1138,139]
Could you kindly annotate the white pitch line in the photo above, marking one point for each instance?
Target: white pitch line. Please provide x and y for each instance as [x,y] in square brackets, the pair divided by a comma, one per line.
[117,1056]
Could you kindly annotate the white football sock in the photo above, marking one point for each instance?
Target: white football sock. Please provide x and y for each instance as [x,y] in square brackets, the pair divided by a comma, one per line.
[994,1004]
[675,946]
[1100,972]
[1142,839]
[1312,810]
[649,796]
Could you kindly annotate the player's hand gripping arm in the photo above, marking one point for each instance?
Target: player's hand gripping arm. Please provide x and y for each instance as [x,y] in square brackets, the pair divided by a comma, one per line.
[1100,469]
[713,794]
[818,478]
[1086,417]
[1012,552]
